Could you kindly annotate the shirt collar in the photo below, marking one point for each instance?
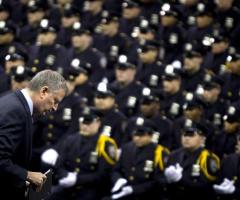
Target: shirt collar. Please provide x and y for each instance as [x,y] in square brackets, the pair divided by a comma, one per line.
[28,99]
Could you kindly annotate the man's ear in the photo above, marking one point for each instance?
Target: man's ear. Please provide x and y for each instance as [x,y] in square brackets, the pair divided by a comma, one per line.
[44,91]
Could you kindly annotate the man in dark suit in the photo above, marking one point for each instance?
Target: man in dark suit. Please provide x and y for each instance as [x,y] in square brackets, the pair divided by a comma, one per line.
[43,94]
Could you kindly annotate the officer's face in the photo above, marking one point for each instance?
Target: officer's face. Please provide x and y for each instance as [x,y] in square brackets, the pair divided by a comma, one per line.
[69,21]
[149,109]
[146,36]
[46,38]
[47,101]
[224,4]
[148,56]
[35,17]
[109,28]
[192,64]
[234,67]
[193,113]
[143,140]
[104,103]
[211,95]
[203,21]
[89,129]
[6,38]
[192,142]
[219,47]
[81,41]
[168,20]
[125,76]
[171,86]
[129,13]
[231,127]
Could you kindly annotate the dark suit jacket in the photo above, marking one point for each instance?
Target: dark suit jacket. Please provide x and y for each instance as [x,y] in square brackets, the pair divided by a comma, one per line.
[15,144]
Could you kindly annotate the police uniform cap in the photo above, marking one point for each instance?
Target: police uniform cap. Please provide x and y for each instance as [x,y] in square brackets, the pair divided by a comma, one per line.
[195,102]
[193,54]
[233,57]
[204,10]
[37,5]
[143,126]
[148,97]
[78,29]
[46,26]
[124,63]
[70,11]
[21,73]
[191,128]
[78,67]
[146,45]
[171,73]
[232,114]
[211,82]
[131,4]
[90,114]
[108,17]
[14,57]
[169,10]
[7,27]
[103,91]
[5,7]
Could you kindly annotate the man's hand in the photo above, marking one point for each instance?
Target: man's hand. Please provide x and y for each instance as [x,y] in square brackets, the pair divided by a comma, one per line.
[37,179]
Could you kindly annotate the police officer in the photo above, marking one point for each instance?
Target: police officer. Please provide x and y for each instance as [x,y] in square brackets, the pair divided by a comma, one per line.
[227,138]
[84,161]
[192,169]
[231,78]
[214,104]
[131,11]
[113,119]
[193,109]
[127,89]
[11,60]
[134,175]
[215,59]
[45,53]
[193,71]
[36,11]
[203,27]
[92,13]
[150,108]
[172,100]
[70,15]
[82,49]
[111,41]
[150,66]
[170,33]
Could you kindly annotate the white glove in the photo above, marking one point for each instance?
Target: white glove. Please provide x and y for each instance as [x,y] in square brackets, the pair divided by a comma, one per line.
[69,181]
[226,187]
[49,156]
[126,190]
[119,184]
[173,173]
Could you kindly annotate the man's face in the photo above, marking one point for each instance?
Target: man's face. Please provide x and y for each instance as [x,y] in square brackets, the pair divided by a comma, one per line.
[48,101]
[143,140]
[192,142]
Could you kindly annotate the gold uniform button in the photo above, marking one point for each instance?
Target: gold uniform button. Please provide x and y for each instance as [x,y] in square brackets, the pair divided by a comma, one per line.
[229,94]
[77,160]
[79,187]
[133,169]
[51,117]
[50,135]
[50,126]
[77,170]
[92,167]
[131,178]
[147,176]
[36,61]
